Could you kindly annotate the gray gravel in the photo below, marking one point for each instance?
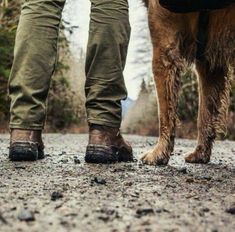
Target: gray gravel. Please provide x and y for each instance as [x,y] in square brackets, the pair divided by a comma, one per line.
[62,193]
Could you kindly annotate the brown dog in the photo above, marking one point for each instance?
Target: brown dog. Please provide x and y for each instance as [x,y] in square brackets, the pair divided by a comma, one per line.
[175,42]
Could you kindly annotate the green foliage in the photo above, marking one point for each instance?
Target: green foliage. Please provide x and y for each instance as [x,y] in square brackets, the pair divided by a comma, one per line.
[9,15]
[142,118]
[232,96]
[6,56]
[188,97]
[62,109]
[6,52]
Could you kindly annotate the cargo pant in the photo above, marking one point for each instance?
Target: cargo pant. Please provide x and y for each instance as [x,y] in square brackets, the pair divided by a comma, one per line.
[35,58]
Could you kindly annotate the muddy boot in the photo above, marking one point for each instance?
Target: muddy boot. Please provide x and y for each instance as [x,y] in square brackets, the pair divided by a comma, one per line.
[26,145]
[106,145]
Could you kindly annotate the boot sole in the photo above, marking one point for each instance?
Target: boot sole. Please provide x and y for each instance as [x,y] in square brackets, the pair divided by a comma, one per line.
[99,154]
[25,152]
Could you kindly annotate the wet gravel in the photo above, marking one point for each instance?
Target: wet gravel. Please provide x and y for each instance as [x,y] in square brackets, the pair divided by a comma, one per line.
[62,193]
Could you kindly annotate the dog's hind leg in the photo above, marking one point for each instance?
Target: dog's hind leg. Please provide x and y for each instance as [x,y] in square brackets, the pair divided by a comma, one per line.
[167,66]
[214,89]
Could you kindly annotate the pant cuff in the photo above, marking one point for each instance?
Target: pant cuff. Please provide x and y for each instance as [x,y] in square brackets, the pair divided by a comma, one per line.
[104,123]
[26,127]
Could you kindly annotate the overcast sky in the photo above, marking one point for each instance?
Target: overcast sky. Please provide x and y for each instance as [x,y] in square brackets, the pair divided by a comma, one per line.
[77,13]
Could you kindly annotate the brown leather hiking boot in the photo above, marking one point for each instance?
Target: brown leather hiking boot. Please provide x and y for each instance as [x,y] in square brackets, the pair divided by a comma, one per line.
[106,145]
[26,145]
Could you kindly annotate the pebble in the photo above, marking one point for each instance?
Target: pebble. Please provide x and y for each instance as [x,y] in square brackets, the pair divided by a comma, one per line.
[98,180]
[144,211]
[183,170]
[104,218]
[128,183]
[206,210]
[64,161]
[206,178]
[20,167]
[25,215]
[62,153]
[189,180]
[150,143]
[231,210]
[56,195]
[76,160]
[162,210]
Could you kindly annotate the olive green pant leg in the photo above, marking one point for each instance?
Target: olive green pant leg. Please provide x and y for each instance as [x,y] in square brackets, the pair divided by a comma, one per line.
[34,62]
[106,56]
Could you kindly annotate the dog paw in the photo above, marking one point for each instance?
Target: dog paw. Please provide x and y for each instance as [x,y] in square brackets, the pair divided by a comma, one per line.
[197,158]
[153,158]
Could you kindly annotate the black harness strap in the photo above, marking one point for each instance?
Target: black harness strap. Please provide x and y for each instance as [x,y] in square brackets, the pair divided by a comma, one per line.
[186,6]
[202,35]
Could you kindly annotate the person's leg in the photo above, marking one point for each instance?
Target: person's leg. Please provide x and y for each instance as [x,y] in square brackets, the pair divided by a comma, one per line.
[105,88]
[34,63]
[106,56]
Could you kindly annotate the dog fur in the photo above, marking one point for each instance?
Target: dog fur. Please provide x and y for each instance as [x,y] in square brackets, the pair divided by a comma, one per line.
[174,40]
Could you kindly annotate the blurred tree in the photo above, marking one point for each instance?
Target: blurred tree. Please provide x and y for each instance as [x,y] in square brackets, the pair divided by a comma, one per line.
[9,16]
[142,117]
[65,106]
[188,97]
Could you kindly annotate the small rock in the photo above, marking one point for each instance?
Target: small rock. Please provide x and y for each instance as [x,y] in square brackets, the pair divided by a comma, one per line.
[183,170]
[231,210]
[118,170]
[214,230]
[62,153]
[170,186]
[128,183]
[56,195]
[99,180]
[135,194]
[135,160]
[104,218]
[25,215]
[189,180]
[64,161]
[144,211]
[108,211]
[64,222]
[162,210]
[76,160]
[206,210]
[71,215]
[150,143]
[20,167]
[206,177]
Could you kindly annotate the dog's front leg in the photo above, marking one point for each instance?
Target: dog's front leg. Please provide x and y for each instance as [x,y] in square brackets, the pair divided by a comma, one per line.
[167,66]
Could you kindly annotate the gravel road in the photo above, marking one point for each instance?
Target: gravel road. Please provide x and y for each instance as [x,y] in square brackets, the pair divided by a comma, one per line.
[62,193]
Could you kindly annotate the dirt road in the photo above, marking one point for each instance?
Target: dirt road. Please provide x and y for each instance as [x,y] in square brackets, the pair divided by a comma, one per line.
[61,194]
